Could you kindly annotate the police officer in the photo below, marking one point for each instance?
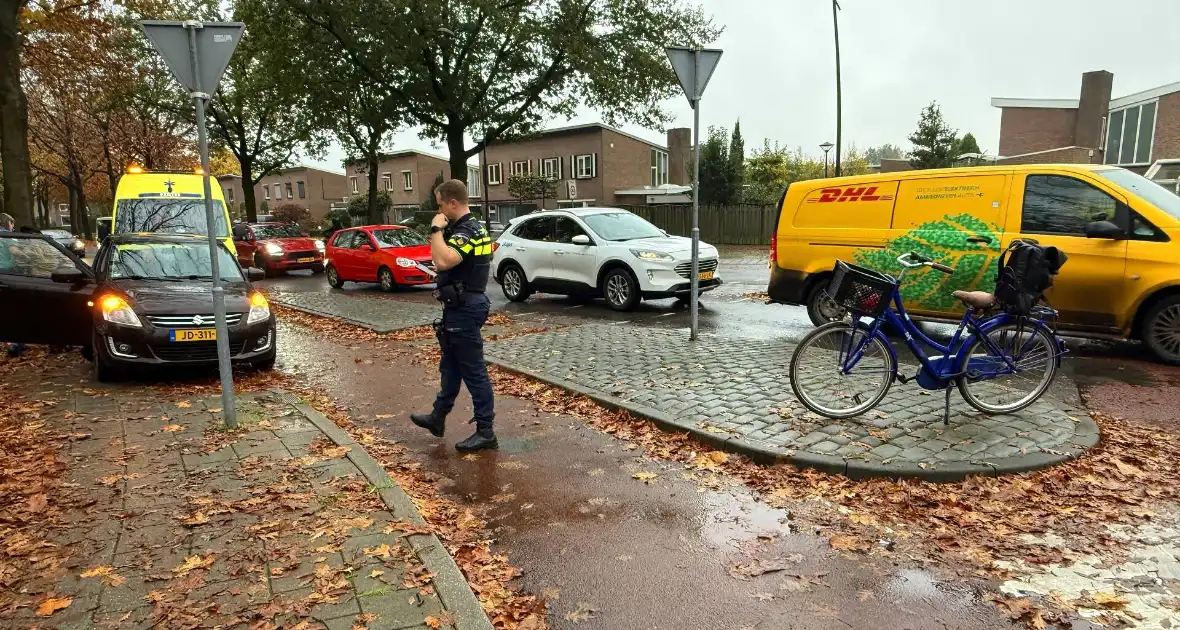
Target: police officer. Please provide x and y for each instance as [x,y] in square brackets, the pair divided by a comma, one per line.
[462,252]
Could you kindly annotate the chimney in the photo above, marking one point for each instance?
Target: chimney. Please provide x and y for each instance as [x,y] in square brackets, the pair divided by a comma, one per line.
[679,156]
[1093,108]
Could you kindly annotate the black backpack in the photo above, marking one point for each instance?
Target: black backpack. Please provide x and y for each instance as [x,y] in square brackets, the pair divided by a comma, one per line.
[1026,272]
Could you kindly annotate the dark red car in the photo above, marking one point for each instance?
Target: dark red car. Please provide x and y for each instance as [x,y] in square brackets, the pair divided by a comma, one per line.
[277,247]
[386,254]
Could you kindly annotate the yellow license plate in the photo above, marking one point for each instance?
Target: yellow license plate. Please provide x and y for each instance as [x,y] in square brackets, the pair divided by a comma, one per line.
[203,334]
[705,275]
[303,260]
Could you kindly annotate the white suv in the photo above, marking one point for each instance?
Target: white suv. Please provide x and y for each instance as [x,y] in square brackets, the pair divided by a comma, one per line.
[592,252]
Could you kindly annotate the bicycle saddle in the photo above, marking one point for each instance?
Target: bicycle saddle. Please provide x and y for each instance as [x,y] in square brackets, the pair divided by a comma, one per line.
[977,299]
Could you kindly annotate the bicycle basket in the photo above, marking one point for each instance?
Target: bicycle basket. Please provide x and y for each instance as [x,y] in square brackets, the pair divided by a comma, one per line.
[860,290]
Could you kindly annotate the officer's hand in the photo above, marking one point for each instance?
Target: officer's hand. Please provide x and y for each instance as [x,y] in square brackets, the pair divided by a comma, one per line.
[439,220]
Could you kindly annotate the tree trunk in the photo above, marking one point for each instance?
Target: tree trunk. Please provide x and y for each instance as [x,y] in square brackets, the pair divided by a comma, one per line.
[248,189]
[375,217]
[14,119]
[457,146]
[80,214]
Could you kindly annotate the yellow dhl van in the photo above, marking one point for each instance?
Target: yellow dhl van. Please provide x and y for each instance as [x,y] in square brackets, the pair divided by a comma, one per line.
[1120,230]
[147,201]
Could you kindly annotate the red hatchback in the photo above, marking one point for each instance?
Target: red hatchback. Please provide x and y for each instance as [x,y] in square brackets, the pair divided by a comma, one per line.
[277,247]
[385,254]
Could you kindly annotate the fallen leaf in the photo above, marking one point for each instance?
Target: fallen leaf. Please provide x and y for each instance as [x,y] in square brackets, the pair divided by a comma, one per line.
[198,518]
[719,457]
[172,428]
[383,416]
[192,563]
[1110,600]
[376,572]
[433,622]
[380,551]
[847,543]
[107,573]
[38,502]
[52,605]
[583,612]
[645,476]
[184,404]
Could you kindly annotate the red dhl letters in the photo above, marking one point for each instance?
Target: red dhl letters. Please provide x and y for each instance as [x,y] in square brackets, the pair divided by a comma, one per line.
[852,193]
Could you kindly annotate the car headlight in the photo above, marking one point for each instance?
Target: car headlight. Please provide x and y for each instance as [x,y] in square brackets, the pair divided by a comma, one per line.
[405,262]
[78,244]
[647,254]
[319,245]
[116,310]
[273,249]
[259,309]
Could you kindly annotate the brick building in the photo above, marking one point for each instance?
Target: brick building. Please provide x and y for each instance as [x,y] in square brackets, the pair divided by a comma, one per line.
[592,165]
[1139,131]
[408,178]
[305,186]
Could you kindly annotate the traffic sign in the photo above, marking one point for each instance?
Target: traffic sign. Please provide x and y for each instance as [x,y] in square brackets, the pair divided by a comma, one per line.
[693,78]
[216,42]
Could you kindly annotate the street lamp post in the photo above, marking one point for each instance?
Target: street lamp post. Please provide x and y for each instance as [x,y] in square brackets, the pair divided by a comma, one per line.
[839,126]
[827,146]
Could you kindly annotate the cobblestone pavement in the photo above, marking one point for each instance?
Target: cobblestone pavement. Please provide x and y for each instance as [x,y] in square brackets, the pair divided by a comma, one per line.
[739,393]
[191,526]
[376,312]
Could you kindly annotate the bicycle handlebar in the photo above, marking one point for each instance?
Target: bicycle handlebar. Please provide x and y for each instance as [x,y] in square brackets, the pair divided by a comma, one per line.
[911,260]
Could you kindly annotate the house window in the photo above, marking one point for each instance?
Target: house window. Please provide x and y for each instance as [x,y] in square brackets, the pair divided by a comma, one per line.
[520,168]
[355,190]
[473,184]
[1054,204]
[387,181]
[278,192]
[266,192]
[495,176]
[659,167]
[584,166]
[290,191]
[1129,134]
[407,180]
[551,168]
[229,195]
[302,190]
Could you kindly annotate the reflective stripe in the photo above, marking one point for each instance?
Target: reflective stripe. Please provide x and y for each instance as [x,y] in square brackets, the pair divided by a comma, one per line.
[466,249]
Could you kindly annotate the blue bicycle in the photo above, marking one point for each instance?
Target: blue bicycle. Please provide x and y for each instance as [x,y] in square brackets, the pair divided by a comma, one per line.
[1001,363]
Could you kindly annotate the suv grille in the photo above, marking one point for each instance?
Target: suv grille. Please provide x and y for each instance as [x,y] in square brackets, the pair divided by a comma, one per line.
[705,264]
[193,350]
[187,321]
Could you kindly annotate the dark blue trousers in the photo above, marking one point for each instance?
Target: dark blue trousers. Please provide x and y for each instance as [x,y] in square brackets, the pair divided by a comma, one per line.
[462,359]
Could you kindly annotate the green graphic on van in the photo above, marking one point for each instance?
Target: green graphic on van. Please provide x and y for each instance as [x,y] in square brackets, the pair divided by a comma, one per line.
[945,241]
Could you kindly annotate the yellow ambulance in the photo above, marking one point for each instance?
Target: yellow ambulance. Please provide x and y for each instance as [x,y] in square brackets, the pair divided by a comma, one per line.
[1120,230]
[171,202]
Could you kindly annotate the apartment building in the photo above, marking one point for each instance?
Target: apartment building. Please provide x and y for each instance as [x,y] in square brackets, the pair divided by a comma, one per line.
[305,186]
[1139,131]
[592,165]
[408,177]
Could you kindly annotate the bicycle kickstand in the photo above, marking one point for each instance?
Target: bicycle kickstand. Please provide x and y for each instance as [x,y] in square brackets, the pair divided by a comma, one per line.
[946,408]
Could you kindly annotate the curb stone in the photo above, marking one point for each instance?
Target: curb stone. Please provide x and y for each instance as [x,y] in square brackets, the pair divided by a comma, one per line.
[449,583]
[1086,436]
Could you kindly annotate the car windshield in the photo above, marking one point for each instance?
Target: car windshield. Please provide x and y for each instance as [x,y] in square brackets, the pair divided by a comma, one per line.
[401,237]
[1155,194]
[621,226]
[172,216]
[170,261]
[289,230]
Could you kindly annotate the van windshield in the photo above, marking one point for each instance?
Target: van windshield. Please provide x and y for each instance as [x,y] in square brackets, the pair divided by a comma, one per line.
[171,216]
[1155,194]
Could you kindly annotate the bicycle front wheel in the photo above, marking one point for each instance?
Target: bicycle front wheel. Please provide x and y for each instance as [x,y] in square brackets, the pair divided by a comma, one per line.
[839,371]
[1009,368]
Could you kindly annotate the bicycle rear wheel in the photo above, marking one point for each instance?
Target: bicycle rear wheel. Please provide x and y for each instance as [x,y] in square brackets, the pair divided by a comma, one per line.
[999,388]
[839,371]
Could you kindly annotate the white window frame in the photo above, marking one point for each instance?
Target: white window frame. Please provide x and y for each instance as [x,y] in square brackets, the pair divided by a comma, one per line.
[659,172]
[495,174]
[584,166]
[551,168]
[474,186]
[301,189]
[266,193]
[387,181]
[290,188]
[355,189]
[520,167]
[229,195]
[407,180]
[278,192]
[1107,158]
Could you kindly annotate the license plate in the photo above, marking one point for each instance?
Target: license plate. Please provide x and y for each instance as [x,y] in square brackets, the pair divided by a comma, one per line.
[203,334]
[305,260]
[705,275]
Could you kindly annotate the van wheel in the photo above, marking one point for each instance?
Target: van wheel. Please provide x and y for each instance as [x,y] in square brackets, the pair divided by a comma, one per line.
[1161,330]
[820,308]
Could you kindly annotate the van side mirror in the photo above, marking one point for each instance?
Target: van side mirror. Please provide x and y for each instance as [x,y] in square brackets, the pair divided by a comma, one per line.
[1104,229]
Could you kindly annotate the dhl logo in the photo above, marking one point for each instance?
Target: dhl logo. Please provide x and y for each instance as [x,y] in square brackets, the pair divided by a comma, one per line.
[863,193]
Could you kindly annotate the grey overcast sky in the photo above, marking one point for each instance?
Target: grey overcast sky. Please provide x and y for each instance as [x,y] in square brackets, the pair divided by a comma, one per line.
[778,71]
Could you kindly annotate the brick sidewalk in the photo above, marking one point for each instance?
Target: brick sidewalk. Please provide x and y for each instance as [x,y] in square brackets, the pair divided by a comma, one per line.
[377,313]
[285,522]
[737,395]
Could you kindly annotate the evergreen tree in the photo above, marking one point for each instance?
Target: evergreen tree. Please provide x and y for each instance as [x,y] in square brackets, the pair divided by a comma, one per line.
[715,167]
[934,141]
[737,164]
[966,144]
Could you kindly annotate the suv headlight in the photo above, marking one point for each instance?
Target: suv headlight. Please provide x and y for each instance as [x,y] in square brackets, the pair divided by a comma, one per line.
[116,310]
[273,249]
[647,254]
[319,245]
[259,309]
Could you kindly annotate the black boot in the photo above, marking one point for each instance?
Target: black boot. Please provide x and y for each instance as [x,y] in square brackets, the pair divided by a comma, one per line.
[436,424]
[483,439]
